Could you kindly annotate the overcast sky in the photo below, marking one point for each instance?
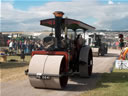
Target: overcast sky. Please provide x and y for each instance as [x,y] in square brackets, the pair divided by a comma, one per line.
[25,15]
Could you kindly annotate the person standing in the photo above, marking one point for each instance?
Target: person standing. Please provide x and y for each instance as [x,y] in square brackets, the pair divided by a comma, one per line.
[10,47]
[22,55]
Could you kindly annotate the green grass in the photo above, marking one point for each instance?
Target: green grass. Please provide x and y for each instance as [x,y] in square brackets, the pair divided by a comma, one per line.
[111,84]
[27,58]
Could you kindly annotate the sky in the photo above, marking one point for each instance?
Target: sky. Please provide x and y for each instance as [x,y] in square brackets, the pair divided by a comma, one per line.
[25,15]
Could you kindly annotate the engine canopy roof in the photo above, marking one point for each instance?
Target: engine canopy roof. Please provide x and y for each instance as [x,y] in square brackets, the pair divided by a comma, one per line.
[69,23]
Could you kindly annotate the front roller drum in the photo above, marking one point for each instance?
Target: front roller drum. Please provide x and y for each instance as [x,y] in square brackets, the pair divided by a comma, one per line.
[49,71]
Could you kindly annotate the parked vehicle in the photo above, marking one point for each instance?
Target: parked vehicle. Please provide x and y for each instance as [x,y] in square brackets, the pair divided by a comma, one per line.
[96,41]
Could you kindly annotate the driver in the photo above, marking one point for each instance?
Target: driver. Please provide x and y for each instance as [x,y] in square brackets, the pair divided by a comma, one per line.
[49,41]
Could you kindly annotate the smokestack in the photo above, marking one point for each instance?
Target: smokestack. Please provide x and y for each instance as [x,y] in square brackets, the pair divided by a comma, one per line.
[58,26]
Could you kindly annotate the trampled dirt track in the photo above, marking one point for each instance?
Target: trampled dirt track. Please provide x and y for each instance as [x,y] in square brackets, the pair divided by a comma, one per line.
[75,85]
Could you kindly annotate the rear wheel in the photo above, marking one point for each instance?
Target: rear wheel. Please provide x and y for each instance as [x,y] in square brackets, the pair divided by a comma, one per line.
[85,67]
[90,66]
[102,54]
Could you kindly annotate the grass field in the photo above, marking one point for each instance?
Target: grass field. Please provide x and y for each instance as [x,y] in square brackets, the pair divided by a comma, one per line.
[13,70]
[111,84]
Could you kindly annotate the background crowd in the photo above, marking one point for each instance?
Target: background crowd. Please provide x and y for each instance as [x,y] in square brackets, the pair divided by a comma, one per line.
[26,45]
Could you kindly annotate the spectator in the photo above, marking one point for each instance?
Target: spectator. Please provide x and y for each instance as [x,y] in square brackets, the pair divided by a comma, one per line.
[22,55]
[26,45]
[10,47]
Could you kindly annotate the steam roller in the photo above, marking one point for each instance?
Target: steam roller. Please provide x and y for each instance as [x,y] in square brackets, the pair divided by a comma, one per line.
[63,54]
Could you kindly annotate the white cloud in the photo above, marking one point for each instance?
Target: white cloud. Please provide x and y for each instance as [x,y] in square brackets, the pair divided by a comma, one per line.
[115,17]
[110,2]
[107,16]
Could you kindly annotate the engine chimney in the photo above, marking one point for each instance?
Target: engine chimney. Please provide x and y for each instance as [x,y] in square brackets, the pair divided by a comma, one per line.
[58,26]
